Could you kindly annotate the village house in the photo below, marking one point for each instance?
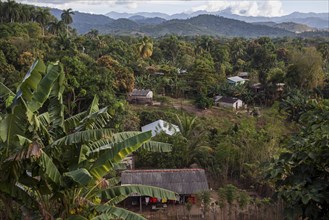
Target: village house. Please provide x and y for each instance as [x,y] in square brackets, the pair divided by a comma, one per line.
[258,87]
[236,80]
[185,182]
[140,96]
[228,102]
[244,75]
[161,126]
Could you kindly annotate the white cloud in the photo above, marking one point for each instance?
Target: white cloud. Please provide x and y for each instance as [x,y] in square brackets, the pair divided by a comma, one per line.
[129,4]
[267,8]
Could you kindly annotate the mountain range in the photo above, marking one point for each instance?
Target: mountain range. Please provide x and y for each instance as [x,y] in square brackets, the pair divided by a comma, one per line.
[315,20]
[159,24]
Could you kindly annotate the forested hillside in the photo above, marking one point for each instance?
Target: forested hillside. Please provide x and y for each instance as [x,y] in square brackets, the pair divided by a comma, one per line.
[66,125]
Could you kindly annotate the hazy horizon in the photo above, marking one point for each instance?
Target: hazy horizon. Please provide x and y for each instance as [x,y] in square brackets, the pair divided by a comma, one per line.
[268,8]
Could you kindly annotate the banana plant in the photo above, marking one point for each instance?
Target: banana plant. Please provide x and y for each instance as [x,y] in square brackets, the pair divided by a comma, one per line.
[57,167]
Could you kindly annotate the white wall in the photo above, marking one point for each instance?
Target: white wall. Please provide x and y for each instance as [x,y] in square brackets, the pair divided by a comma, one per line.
[238,104]
[149,94]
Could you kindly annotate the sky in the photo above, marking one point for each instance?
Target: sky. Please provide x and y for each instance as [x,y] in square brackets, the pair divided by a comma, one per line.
[267,8]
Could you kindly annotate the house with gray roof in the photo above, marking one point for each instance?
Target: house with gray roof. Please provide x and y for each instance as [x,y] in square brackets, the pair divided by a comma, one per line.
[228,102]
[185,182]
[181,181]
[140,96]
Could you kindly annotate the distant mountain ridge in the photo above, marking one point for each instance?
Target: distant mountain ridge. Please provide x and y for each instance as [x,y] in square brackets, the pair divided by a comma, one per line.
[289,26]
[198,25]
[315,20]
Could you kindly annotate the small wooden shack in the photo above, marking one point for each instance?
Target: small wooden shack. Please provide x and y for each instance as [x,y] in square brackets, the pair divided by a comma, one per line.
[140,96]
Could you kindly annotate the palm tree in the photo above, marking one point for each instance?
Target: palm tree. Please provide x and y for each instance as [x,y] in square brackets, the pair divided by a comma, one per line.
[42,17]
[56,27]
[193,135]
[58,166]
[67,18]
[11,11]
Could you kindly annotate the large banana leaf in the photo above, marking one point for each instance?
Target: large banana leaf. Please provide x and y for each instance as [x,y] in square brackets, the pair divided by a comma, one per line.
[142,190]
[19,194]
[119,213]
[31,81]
[44,87]
[94,106]
[49,168]
[116,200]
[74,121]
[12,125]
[81,137]
[115,153]
[152,146]
[56,107]
[44,123]
[44,119]
[80,176]
[95,120]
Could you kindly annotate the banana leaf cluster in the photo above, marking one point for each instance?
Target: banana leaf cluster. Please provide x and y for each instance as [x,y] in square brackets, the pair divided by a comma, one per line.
[57,167]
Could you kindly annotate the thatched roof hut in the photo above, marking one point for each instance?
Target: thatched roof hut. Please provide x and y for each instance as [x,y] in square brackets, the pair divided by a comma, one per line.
[181,181]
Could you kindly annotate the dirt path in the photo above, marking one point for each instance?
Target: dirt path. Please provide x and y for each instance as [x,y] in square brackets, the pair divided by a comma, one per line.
[188,106]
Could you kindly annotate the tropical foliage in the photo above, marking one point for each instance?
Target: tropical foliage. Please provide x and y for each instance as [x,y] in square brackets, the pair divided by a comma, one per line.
[63,167]
[52,139]
[300,174]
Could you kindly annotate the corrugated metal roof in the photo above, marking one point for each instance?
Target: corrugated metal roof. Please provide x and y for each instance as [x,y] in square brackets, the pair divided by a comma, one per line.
[181,181]
[161,126]
[228,100]
[236,79]
[138,92]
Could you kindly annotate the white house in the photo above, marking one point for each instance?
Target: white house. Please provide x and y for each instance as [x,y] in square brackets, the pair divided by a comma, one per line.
[228,102]
[161,126]
[236,80]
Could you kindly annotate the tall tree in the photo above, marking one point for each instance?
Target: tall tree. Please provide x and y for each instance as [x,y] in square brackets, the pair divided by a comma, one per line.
[42,17]
[305,71]
[56,27]
[11,11]
[67,18]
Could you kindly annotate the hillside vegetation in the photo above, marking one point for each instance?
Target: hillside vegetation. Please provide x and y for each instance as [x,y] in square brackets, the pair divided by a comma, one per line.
[66,125]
